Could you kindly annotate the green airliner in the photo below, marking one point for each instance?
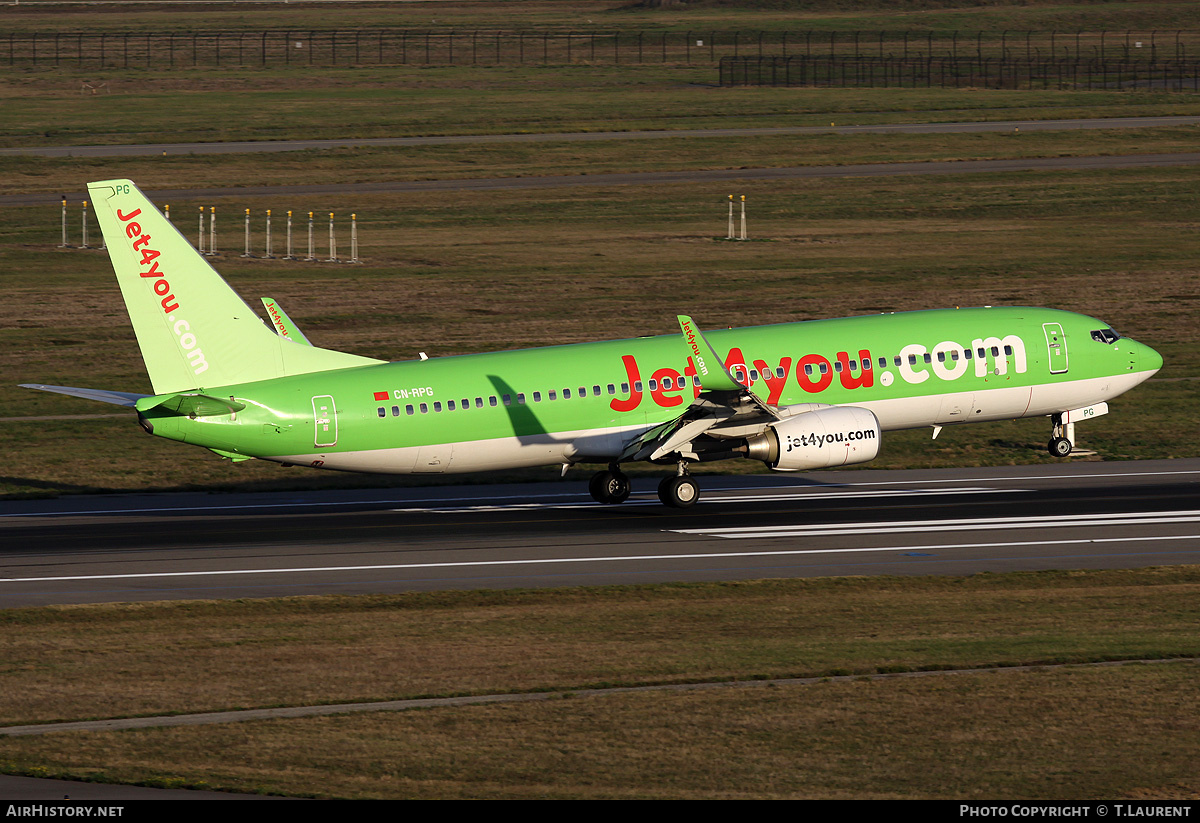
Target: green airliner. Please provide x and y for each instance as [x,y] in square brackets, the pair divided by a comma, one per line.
[795,396]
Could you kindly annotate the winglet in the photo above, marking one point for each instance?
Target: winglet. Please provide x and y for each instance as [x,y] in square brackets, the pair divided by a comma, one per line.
[285,326]
[713,374]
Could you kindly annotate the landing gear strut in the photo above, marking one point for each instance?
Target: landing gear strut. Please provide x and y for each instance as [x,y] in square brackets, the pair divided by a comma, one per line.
[611,486]
[680,491]
[1060,444]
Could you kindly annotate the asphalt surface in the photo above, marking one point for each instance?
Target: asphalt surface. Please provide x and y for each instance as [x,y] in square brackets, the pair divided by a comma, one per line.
[621,179]
[247,146]
[137,547]
[649,178]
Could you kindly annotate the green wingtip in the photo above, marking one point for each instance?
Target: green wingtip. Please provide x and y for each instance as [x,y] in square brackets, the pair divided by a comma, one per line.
[712,372]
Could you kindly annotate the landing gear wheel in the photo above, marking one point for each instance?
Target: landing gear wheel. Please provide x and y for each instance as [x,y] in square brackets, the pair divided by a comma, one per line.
[1059,446]
[609,487]
[679,492]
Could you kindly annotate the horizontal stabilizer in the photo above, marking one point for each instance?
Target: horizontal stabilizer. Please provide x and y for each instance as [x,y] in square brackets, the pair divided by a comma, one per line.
[117,398]
[192,404]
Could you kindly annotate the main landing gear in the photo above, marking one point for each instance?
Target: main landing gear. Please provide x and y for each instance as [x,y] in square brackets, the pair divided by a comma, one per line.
[612,486]
[680,491]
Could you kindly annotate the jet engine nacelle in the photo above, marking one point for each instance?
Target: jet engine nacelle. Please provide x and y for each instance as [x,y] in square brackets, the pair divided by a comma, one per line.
[832,436]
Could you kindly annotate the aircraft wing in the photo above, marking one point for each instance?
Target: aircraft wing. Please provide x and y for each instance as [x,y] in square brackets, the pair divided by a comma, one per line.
[117,398]
[724,408]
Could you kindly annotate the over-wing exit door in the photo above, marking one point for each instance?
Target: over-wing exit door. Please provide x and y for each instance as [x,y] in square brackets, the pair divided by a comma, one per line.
[1056,344]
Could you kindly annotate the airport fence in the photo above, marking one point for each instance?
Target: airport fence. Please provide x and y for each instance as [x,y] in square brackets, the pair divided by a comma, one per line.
[964,72]
[95,50]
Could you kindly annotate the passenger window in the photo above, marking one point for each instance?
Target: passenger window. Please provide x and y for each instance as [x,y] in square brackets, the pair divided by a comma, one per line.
[382,411]
[508,399]
[521,398]
[779,372]
[941,357]
[437,406]
[612,389]
[479,402]
[566,394]
[424,408]
[1008,350]
[667,384]
[553,395]
[928,357]
[753,376]
[395,411]
[537,397]
[492,400]
[409,410]
[837,365]
[637,386]
[824,368]
[595,391]
[449,405]
[653,384]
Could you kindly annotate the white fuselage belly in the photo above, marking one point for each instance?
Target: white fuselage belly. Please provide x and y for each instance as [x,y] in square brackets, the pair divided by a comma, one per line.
[600,445]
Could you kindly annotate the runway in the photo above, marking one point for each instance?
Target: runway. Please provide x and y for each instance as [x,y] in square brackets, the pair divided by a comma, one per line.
[151,547]
[245,146]
[648,178]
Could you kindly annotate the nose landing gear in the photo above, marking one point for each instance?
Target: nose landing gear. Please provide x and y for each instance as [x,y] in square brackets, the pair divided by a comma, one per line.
[1060,444]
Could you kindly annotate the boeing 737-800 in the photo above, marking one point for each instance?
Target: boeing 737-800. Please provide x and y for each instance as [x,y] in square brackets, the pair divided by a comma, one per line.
[795,396]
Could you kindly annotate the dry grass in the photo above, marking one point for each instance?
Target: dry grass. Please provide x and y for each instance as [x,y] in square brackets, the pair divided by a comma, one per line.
[1056,735]
[1126,732]
[118,660]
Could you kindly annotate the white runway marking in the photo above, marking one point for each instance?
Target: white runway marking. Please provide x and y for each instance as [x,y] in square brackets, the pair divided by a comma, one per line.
[707,497]
[973,524]
[547,561]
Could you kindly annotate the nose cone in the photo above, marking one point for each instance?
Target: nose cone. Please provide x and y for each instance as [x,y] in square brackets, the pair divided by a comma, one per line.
[1148,359]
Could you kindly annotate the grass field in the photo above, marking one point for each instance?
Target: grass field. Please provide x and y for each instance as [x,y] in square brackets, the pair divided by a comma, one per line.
[474,271]
[1072,733]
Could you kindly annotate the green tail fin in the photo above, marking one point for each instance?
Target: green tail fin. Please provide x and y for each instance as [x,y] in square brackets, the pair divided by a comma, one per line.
[193,329]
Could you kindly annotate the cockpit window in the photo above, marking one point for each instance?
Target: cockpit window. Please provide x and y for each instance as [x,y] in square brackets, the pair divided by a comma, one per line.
[1105,336]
